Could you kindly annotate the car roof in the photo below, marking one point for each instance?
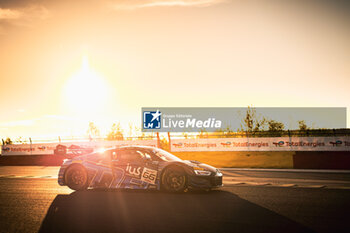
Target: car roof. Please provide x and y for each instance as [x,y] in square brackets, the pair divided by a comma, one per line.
[131,147]
[136,146]
[127,147]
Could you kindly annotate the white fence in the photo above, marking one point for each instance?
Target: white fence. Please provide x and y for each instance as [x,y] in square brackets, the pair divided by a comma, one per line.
[203,144]
[263,144]
[48,148]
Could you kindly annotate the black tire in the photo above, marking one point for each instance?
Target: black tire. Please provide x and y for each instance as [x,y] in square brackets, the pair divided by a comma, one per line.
[174,179]
[76,178]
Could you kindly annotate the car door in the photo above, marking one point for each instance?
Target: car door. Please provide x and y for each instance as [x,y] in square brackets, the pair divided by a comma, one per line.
[132,162]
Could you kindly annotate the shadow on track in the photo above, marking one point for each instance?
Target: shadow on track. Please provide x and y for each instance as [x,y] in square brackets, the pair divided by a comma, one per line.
[151,211]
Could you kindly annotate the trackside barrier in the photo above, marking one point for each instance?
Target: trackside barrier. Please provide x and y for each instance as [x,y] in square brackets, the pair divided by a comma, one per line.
[262,144]
[73,147]
[314,153]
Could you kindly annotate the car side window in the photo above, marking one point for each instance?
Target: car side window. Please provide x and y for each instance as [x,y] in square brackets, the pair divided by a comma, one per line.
[144,154]
[129,156]
[96,157]
[153,156]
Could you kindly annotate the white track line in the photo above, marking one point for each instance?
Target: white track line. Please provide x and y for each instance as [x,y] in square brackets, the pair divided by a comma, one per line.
[285,170]
[254,184]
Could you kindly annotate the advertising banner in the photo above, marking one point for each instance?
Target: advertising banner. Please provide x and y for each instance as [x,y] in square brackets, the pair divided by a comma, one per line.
[263,144]
[48,148]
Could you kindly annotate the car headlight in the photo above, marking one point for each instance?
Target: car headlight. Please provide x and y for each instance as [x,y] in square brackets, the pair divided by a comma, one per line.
[202,172]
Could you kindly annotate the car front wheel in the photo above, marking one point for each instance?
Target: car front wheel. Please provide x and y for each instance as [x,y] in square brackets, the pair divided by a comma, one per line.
[174,179]
[76,178]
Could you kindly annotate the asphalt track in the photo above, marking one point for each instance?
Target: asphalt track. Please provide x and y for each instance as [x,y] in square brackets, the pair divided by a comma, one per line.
[251,201]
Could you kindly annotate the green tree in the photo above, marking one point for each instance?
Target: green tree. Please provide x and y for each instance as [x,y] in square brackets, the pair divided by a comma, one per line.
[8,141]
[21,140]
[253,122]
[164,144]
[202,134]
[275,126]
[302,126]
[93,131]
[131,130]
[116,132]
[223,132]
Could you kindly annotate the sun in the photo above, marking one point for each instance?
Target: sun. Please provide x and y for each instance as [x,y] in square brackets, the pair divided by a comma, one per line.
[86,91]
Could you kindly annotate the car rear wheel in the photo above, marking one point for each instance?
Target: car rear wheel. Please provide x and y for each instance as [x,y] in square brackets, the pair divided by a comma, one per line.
[76,178]
[174,179]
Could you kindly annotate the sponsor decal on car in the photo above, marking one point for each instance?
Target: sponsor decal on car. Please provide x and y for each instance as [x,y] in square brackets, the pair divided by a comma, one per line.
[149,175]
[133,171]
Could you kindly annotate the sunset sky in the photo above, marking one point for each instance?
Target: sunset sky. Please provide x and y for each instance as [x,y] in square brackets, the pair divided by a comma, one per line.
[65,63]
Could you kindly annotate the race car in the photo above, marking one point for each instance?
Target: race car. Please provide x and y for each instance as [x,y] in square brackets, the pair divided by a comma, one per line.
[137,167]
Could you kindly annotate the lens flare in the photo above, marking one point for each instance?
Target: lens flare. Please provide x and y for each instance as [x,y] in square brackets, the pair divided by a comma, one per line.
[86,91]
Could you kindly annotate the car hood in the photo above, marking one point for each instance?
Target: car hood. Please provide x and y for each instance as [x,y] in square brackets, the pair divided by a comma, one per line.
[193,163]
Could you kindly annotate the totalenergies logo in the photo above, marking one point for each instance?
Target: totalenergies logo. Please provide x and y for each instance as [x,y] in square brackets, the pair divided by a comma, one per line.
[278,144]
[6,149]
[226,144]
[336,143]
[42,148]
[177,145]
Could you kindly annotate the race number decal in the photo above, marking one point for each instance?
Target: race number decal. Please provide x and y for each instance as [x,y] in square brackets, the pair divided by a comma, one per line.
[149,175]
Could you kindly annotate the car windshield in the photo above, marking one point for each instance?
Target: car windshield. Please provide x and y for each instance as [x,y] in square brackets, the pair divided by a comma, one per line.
[164,155]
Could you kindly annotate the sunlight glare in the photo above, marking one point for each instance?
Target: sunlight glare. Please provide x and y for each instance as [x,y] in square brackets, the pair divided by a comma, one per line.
[86,91]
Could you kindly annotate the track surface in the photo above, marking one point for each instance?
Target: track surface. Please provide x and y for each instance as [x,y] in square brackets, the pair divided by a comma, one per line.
[251,201]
